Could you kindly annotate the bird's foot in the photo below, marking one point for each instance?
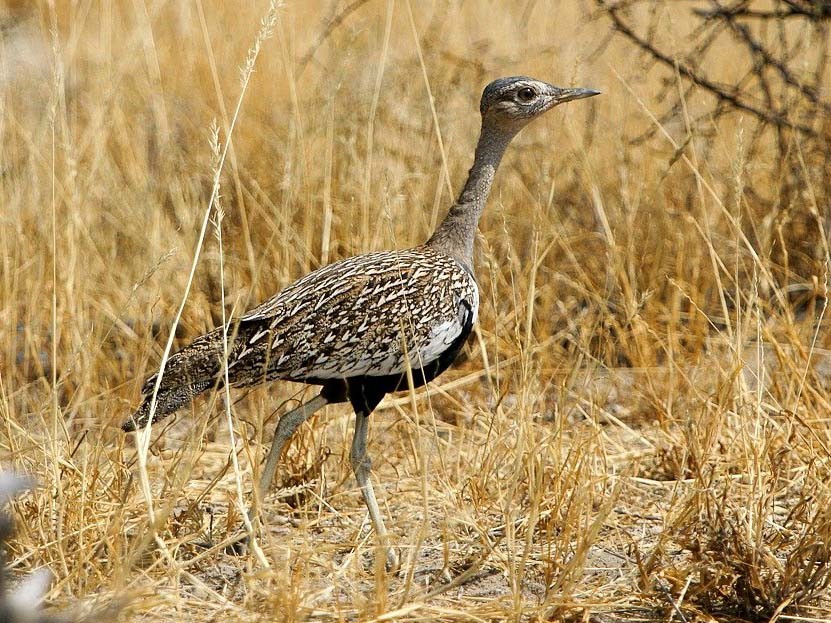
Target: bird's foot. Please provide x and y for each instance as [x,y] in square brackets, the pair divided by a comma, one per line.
[393,562]
[240,546]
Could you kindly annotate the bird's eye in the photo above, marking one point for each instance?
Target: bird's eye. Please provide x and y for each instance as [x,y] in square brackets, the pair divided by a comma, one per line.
[526,94]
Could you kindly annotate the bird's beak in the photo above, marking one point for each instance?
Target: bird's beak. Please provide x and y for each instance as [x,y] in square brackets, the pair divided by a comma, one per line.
[560,96]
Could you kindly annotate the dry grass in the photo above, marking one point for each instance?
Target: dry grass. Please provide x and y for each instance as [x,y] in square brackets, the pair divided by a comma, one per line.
[639,431]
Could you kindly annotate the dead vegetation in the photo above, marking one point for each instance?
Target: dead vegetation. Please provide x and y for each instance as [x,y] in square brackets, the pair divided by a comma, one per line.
[638,431]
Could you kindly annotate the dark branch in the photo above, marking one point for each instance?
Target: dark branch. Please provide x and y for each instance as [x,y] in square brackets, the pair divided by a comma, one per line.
[818,10]
[773,116]
[331,26]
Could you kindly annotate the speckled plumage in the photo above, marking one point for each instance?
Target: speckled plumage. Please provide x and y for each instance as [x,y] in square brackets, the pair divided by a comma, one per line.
[366,315]
[347,319]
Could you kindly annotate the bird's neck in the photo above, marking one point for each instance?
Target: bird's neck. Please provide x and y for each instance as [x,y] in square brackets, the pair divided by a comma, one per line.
[456,233]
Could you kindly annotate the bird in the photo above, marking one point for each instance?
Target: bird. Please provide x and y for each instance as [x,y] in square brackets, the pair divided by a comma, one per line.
[360,326]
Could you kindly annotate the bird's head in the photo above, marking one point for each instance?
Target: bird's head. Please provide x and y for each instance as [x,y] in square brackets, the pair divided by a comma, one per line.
[515,101]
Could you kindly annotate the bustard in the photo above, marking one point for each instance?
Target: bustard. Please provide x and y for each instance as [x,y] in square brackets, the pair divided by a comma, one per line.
[356,326]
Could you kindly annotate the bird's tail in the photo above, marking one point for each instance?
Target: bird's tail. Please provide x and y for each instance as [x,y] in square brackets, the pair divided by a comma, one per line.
[188,373]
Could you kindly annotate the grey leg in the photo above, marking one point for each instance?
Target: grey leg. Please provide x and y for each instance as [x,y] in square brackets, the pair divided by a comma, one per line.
[362,466]
[285,429]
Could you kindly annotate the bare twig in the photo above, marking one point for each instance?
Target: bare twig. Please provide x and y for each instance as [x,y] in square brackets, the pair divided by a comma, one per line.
[722,92]
[331,26]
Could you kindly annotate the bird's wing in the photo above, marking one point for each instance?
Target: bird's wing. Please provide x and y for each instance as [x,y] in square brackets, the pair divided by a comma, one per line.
[372,314]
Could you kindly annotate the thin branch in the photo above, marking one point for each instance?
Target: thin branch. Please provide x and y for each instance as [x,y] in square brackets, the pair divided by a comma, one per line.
[774,117]
[336,21]
[768,60]
[819,12]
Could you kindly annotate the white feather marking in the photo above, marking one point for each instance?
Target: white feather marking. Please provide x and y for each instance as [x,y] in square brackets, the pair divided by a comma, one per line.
[393,361]
[257,335]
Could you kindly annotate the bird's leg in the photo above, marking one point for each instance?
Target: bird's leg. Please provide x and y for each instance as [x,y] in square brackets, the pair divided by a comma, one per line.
[362,466]
[285,429]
